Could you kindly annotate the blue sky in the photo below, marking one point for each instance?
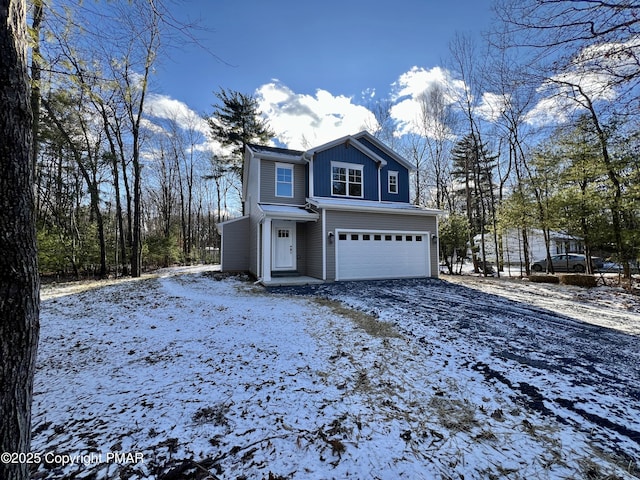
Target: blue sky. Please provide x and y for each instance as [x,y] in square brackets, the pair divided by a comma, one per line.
[325,58]
[344,47]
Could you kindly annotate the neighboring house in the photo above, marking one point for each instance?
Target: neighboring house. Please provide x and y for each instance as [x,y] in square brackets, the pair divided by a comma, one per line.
[339,211]
[513,245]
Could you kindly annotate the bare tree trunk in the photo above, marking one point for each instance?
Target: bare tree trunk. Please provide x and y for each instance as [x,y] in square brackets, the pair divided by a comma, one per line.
[127,190]
[135,110]
[19,281]
[136,248]
[36,70]
[116,186]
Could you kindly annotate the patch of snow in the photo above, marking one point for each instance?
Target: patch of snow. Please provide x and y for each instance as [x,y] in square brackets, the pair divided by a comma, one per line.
[216,374]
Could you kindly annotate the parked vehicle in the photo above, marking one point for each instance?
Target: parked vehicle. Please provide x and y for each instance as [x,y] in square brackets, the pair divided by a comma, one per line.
[568,262]
[613,267]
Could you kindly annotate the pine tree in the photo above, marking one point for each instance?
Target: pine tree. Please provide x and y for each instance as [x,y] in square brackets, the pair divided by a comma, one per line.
[236,122]
[472,168]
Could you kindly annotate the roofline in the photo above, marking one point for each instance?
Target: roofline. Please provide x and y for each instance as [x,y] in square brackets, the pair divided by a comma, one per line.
[376,207]
[278,157]
[398,158]
[220,225]
[303,215]
[349,139]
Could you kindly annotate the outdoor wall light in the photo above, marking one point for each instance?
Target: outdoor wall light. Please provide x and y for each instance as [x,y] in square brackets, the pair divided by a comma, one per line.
[331,235]
[434,237]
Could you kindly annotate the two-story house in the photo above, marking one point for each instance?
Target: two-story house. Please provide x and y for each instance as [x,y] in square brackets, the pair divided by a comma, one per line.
[339,211]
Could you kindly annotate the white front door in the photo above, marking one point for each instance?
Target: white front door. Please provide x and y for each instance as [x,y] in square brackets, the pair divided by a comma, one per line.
[283,246]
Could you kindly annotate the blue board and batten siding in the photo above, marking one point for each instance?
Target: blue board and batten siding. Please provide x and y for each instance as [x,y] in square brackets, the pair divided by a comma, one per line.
[392,166]
[403,183]
[344,153]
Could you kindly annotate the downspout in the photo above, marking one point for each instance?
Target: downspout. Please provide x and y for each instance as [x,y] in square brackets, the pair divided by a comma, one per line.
[324,245]
[259,248]
[379,183]
[309,158]
[266,247]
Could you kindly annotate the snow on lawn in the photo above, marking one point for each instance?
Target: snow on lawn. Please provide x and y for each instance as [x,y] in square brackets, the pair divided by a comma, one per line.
[203,376]
[621,309]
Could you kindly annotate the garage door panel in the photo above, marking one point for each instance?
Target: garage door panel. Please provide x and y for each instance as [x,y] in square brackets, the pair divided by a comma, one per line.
[368,255]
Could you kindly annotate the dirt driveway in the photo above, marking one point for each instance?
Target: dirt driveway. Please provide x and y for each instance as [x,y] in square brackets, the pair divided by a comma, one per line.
[569,356]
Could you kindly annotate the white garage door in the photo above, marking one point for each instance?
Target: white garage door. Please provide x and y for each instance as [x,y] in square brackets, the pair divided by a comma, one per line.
[368,255]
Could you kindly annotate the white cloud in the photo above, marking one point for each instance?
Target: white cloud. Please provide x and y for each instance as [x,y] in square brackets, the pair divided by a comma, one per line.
[596,70]
[550,111]
[617,59]
[411,86]
[564,94]
[302,121]
[492,105]
[152,127]
[163,108]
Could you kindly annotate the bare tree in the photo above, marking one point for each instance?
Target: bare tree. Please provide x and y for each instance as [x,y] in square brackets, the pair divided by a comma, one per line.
[516,93]
[73,123]
[588,56]
[19,281]
[138,59]
[596,36]
[582,97]
[466,62]
[437,124]
[383,126]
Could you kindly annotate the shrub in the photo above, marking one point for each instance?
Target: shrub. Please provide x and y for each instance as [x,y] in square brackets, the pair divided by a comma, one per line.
[543,278]
[579,279]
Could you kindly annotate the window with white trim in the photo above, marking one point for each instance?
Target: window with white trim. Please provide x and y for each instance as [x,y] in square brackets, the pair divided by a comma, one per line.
[284,180]
[393,182]
[346,180]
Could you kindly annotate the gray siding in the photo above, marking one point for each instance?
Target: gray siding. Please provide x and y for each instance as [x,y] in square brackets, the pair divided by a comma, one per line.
[235,246]
[252,247]
[268,184]
[314,248]
[301,248]
[379,221]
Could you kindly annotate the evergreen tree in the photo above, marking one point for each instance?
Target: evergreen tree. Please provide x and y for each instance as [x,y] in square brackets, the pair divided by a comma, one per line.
[235,122]
[582,176]
[454,232]
[472,168]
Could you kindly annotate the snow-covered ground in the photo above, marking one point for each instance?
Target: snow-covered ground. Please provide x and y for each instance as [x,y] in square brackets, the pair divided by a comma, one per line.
[188,374]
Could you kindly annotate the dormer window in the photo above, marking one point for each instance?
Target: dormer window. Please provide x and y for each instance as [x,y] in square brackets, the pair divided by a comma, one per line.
[393,182]
[284,180]
[346,180]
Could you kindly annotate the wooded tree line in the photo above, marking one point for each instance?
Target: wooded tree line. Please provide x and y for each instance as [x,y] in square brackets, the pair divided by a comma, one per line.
[536,128]
[122,183]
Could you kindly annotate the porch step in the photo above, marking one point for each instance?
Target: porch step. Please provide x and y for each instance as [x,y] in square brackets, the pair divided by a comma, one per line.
[287,273]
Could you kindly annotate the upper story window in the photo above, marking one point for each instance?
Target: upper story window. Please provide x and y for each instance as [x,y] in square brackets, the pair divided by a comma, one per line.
[346,180]
[284,180]
[393,182]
